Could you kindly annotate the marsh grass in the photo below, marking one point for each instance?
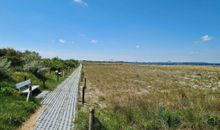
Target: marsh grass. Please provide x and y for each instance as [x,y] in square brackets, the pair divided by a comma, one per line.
[154,97]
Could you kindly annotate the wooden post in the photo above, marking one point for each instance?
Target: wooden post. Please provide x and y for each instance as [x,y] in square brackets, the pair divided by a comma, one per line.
[57,77]
[44,83]
[25,78]
[91,118]
[29,93]
[85,83]
[83,95]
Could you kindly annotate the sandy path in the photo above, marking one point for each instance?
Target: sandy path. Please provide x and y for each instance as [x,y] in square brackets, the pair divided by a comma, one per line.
[30,123]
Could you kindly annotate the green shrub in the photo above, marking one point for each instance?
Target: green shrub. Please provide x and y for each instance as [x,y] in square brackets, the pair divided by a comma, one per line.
[14,119]
[20,76]
[172,119]
[5,84]
[30,107]
[213,121]
[4,68]
[8,91]
[13,56]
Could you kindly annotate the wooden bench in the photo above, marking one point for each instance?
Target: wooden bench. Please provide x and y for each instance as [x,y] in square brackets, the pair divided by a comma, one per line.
[28,90]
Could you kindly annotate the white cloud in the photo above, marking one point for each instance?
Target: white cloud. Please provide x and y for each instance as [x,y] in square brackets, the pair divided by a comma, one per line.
[93,41]
[137,46]
[62,41]
[206,38]
[81,2]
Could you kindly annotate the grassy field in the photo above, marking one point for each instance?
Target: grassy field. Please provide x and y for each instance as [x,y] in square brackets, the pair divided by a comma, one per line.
[138,97]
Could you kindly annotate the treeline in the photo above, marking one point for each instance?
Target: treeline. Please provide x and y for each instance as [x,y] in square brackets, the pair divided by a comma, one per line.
[12,61]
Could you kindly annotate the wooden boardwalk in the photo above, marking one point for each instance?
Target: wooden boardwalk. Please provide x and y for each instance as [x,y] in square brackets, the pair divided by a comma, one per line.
[59,107]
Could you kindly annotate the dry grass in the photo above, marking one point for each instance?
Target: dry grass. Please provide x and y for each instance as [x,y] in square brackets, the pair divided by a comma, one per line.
[154,97]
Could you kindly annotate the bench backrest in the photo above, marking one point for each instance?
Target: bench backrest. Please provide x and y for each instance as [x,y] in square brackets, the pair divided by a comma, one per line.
[22,84]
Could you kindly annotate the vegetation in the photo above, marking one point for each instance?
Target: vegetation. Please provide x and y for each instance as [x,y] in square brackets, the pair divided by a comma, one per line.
[16,66]
[4,68]
[138,97]
[14,110]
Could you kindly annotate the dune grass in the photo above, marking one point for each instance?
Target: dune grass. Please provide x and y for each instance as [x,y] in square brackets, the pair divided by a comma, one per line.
[131,97]
[14,110]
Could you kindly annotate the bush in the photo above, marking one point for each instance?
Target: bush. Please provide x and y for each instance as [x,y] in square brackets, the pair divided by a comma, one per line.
[4,68]
[5,84]
[13,56]
[20,76]
[213,121]
[59,64]
[8,91]
[171,118]
[14,119]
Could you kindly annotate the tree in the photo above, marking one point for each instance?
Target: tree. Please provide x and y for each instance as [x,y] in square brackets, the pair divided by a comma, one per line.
[29,56]
[71,63]
[12,55]
[54,64]
[37,69]
[4,68]
[41,75]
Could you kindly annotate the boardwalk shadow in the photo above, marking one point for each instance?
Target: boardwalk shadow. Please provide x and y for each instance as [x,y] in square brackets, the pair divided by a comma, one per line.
[98,125]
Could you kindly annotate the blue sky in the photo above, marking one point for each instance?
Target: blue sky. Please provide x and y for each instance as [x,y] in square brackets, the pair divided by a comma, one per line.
[128,30]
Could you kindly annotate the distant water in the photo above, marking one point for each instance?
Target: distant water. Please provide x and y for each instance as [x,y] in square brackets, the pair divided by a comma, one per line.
[160,63]
[173,63]
[176,63]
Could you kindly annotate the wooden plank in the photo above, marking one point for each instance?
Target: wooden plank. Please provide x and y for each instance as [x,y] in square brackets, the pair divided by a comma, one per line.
[33,88]
[22,84]
[29,93]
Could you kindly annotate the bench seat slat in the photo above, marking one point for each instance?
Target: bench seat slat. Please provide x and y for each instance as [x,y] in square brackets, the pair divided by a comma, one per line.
[33,88]
[22,84]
